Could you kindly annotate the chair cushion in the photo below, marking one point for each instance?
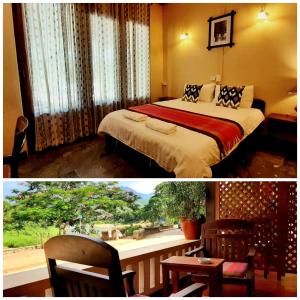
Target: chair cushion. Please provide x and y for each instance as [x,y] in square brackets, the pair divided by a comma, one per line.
[235,269]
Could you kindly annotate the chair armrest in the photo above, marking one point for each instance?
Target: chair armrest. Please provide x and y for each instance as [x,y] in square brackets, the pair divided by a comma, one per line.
[250,255]
[193,290]
[195,251]
[128,276]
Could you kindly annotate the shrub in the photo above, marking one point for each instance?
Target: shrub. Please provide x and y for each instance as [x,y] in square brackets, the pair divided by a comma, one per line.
[129,231]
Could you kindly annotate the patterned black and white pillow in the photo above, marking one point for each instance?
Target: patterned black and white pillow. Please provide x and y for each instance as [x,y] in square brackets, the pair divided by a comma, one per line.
[191,92]
[230,96]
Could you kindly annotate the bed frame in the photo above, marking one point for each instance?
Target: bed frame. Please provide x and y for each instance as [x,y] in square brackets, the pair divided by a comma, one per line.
[153,170]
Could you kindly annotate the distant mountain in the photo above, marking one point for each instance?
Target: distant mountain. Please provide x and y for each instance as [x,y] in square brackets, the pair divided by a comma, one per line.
[144,198]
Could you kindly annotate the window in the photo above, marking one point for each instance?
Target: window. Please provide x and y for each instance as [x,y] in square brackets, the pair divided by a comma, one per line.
[77,57]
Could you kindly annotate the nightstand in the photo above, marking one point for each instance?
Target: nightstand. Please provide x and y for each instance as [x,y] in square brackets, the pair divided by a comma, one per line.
[166,98]
[282,132]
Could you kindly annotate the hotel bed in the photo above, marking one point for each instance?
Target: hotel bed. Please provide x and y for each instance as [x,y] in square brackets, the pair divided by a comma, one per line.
[187,153]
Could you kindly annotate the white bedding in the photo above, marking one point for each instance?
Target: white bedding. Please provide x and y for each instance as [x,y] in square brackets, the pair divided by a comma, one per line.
[187,153]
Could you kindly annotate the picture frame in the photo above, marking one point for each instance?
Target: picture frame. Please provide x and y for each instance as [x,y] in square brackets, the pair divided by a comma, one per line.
[220,33]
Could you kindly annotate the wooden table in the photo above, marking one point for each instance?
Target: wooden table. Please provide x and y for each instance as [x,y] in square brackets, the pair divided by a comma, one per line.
[177,264]
[282,127]
[282,133]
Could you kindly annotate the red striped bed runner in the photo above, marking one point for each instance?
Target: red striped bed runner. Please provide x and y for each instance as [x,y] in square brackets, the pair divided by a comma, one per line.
[226,133]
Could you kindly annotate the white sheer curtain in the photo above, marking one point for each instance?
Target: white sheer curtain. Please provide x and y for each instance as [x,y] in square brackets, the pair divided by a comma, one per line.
[105,42]
[85,61]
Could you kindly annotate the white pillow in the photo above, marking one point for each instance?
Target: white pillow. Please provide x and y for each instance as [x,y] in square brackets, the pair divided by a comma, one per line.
[217,93]
[247,96]
[207,92]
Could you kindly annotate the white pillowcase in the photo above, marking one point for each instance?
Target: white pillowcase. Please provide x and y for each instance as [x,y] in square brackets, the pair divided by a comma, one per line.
[247,96]
[207,92]
[217,93]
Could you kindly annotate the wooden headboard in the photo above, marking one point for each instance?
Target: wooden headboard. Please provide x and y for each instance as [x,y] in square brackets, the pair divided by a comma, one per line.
[259,104]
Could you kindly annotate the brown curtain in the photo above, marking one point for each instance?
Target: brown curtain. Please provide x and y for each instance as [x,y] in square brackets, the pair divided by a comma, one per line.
[85,60]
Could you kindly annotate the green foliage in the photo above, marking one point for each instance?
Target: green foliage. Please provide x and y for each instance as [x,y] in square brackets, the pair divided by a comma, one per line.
[155,209]
[183,199]
[69,203]
[129,231]
[29,236]
[47,208]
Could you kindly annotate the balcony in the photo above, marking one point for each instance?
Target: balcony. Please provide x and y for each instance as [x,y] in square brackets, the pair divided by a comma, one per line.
[144,258]
[271,206]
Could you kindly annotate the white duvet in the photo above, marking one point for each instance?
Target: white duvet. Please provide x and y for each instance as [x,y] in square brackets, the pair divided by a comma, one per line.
[187,153]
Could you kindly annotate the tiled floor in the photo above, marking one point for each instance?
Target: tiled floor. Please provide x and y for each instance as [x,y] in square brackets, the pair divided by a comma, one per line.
[271,287]
[87,159]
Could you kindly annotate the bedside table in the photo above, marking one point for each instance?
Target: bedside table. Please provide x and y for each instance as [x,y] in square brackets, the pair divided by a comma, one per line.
[282,131]
[166,98]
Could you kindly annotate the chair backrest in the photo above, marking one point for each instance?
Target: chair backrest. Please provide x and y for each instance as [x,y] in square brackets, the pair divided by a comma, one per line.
[228,238]
[20,135]
[68,281]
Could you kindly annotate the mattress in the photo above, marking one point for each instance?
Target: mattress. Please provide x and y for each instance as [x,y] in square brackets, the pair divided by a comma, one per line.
[187,153]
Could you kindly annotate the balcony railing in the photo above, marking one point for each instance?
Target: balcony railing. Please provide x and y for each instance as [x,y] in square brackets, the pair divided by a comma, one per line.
[145,261]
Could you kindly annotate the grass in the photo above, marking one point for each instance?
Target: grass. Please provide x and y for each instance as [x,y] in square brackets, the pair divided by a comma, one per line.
[33,235]
[29,236]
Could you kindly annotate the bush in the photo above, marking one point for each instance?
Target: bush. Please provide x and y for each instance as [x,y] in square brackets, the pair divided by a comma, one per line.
[129,231]
[31,235]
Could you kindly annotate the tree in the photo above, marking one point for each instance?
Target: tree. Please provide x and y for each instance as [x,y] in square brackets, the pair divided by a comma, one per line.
[154,210]
[69,203]
[183,198]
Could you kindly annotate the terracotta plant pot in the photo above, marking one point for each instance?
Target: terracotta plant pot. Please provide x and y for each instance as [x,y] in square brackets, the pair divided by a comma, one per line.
[191,228]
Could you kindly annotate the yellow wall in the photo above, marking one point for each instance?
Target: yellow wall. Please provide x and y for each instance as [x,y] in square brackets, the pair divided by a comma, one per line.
[12,103]
[264,54]
[156,50]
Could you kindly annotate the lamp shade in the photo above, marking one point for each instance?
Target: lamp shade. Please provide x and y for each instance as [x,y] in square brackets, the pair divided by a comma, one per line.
[184,36]
[293,91]
[262,15]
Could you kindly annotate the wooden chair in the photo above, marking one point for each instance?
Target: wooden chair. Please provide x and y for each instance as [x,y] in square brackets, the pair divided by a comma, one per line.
[19,140]
[230,239]
[98,258]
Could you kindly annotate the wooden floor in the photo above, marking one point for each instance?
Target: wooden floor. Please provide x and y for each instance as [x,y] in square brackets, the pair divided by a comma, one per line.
[271,287]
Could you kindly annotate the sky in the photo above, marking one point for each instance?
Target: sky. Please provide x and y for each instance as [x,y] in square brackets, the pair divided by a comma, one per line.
[10,185]
[141,186]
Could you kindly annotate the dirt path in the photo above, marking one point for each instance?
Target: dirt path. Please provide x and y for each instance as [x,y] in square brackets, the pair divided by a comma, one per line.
[35,258]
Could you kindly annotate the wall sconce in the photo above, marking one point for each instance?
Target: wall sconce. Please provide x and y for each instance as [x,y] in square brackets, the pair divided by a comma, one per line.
[293,91]
[184,36]
[262,15]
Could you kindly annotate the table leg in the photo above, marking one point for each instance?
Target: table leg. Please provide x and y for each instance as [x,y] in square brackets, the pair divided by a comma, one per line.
[175,281]
[166,281]
[220,281]
[216,283]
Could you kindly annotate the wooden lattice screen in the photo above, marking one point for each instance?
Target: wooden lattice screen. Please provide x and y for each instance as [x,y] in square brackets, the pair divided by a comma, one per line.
[272,208]
[291,249]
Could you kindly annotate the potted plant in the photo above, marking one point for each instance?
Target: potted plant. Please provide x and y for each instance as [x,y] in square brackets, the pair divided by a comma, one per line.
[186,201]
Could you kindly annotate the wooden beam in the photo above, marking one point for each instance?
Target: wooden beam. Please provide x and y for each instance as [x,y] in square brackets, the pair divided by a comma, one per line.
[211,201]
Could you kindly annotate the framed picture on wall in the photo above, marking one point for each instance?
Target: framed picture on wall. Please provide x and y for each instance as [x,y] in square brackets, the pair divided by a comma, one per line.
[220,33]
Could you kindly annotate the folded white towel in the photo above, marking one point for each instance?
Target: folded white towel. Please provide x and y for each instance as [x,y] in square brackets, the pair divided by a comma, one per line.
[161,126]
[134,116]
